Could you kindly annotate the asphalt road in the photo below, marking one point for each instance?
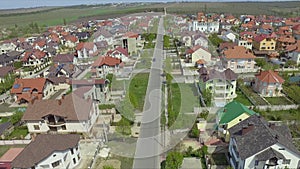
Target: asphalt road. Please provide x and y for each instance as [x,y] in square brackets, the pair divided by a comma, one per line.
[149,144]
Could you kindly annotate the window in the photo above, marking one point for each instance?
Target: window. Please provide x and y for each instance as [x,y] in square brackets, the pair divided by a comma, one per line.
[263,43]
[272,47]
[54,155]
[65,157]
[55,164]
[72,151]
[287,161]
[263,47]
[63,127]
[78,157]
[249,60]
[268,47]
[74,160]
[256,162]
[36,127]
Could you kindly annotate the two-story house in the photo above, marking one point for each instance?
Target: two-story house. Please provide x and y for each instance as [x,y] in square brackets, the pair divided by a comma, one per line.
[222,85]
[239,59]
[255,143]
[263,42]
[230,115]
[120,53]
[96,89]
[70,114]
[50,151]
[105,65]
[268,83]
[28,90]
[86,50]
[197,52]
[35,58]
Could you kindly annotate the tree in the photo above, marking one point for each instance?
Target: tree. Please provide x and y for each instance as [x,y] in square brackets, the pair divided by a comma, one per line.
[290,63]
[207,96]
[16,117]
[65,21]
[174,160]
[194,133]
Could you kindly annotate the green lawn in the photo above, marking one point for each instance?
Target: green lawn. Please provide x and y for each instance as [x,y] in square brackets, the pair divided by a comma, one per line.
[183,121]
[293,92]
[252,95]
[137,90]
[18,133]
[242,98]
[278,101]
[126,162]
[145,60]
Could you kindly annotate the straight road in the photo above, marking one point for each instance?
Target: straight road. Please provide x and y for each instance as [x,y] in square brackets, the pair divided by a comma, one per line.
[149,144]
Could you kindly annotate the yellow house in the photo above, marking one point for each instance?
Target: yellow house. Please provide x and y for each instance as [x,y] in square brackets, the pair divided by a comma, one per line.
[227,117]
[264,42]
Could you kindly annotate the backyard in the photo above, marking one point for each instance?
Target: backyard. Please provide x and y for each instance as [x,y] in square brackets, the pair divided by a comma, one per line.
[253,96]
[242,98]
[278,101]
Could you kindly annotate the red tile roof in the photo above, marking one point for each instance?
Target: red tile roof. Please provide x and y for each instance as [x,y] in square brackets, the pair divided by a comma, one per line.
[29,85]
[131,35]
[269,76]
[85,45]
[238,52]
[122,50]
[33,54]
[106,60]
[71,38]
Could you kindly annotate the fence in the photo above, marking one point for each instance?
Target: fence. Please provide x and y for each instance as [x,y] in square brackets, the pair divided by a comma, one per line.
[277,107]
[14,142]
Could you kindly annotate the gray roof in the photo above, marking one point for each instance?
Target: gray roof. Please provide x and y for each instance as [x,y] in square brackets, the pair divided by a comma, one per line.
[268,154]
[42,147]
[206,75]
[260,137]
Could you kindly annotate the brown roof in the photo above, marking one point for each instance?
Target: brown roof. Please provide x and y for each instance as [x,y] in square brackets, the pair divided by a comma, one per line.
[106,60]
[238,52]
[10,155]
[42,147]
[227,45]
[5,70]
[269,76]
[28,84]
[206,75]
[71,107]
[85,45]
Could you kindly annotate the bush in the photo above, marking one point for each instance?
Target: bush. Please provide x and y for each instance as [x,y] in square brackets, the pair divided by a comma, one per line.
[106,106]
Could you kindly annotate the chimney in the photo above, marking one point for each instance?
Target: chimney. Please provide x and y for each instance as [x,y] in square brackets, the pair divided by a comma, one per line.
[248,128]
[59,102]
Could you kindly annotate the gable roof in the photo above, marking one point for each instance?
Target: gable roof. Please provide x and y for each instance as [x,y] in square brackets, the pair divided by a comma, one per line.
[42,147]
[238,52]
[106,60]
[71,107]
[85,45]
[207,75]
[63,58]
[233,110]
[260,136]
[269,76]
[195,48]
[122,50]
[28,84]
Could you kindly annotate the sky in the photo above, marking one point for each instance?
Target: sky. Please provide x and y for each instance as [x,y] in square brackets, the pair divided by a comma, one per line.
[13,4]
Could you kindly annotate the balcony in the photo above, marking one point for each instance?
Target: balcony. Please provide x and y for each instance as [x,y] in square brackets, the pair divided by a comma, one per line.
[220,84]
[56,124]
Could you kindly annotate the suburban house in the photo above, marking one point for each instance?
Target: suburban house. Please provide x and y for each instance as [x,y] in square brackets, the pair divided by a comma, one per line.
[228,36]
[69,41]
[27,90]
[294,52]
[239,59]
[268,83]
[8,157]
[245,39]
[86,50]
[130,42]
[35,58]
[4,72]
[209,27]
[200,39]
[256,143]
[197,52]
[284,41]
[103,35]
[263,42]
[222,85]
[96,89]
[64,58]
[230,115]
[119,53]
[6,47]
[105,65]
[50,151]
[70,114]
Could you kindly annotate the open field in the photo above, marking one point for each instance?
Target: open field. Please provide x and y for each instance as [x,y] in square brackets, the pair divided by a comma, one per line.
[54,16]
[137,90]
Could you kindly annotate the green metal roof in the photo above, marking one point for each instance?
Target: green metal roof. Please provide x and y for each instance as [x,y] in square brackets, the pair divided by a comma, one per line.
[233,110]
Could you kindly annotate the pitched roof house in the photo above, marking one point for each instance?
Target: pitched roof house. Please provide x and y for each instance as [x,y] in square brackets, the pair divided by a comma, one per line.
[86,49]
[230,115]
[255,143]
[70,114]
[27,90]
[50,151]
[119,53]
[239,59]
[197,52]
[268,83]
[104,65]
[222,85]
